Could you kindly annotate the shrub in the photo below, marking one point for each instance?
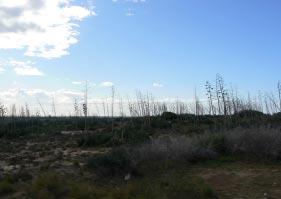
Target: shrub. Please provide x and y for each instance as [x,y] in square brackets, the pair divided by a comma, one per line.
[277,115]
[133,136]
[115,162]
[84,191]
[250,113]
[94,140]
[169,187]
[216,141]
[6,187]
[169,116]
[160,124]
[120,136]
[257,143]
[22,175]
[174,148]
[48,185]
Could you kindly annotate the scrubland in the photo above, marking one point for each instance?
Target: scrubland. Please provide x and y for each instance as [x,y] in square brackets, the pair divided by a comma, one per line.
[224,148]
[167,156]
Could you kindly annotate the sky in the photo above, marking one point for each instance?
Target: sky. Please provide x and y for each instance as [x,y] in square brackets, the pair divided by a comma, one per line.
[49,48]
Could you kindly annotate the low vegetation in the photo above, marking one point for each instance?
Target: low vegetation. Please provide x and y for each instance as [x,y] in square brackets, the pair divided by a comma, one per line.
[52,185]
[256,144]
[159,150]
[6,187]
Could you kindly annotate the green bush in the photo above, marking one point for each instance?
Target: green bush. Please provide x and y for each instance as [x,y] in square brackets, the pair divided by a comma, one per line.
[94,140]
[219,143]
[261,144]
[51,185]
[169,187]
[249,113]
[6,187]
[160,124]
[134,136]
[113,163]
[48,186]
[169,116]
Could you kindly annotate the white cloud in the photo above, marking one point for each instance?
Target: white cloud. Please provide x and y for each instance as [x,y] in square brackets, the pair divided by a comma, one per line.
[2,65]
[107,84]
[42,28]
[158,85]
[2,70]
[64,100]
[34,92]
[28,71]
[70,93]
[77,83]
[25,68]
[16,95]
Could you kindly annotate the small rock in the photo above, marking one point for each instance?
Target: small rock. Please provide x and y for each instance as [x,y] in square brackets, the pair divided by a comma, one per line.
[127,177]
[11,168]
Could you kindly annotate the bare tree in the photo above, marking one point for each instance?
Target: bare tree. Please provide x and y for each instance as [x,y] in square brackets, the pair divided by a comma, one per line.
[76,108]
[3,110]
[85,105]
[279,93]
[112,108]
[22,111]
[210,96]
[221,94]
[13,110]
[121,107]
[27,111]
[41,107]
[104,110]
[54,106]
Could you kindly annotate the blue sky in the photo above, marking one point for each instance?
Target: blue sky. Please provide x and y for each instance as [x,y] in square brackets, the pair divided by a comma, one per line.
[166,47]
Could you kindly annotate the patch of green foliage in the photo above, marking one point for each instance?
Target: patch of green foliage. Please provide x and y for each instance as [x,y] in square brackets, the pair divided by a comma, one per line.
[249,113]
[119,137]
[169,187]
[6,187]
[169,116]
[48,185]
[51,185]
[116,162]
[134,130]
[95,140]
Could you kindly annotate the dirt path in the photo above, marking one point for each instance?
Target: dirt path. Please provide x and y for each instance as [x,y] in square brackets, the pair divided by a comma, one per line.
[243,180]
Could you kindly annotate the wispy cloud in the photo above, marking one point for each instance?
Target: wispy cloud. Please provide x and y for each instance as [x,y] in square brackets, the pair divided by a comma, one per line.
[2,70]
[25,68]
[107,84]
[77,83]
[2,67]
[157,85]
[42,28]
[63,99]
